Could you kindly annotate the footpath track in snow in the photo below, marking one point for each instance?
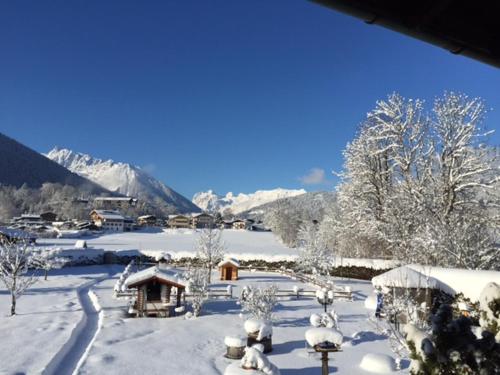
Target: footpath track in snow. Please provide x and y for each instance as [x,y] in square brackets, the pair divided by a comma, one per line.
[72,355]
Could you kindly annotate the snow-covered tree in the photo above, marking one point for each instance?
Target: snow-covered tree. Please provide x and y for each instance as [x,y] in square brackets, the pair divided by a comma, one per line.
[15,261]
[422,187]
[452,347]
[259,301]
[47,260]
[313,255]
[210,249]
[197,287]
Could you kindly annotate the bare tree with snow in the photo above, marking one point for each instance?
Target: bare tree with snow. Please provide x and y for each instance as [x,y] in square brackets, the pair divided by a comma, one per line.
[422,187]
[197,287]
[259,301]
[47,260]
[313,254]
[210,249]
[16,258]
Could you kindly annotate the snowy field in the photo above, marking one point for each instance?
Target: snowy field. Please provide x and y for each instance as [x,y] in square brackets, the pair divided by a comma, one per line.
[240,244]
[58,326]
[182,243]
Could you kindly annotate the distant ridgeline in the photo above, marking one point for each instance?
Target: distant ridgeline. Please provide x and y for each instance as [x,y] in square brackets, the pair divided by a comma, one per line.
[32,183]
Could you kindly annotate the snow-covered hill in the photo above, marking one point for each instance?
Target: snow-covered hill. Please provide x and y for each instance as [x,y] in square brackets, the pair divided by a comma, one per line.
[122,178]
[210,201]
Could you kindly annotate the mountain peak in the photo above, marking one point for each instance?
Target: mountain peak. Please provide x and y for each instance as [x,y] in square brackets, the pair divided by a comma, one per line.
[209,201]
[121,177]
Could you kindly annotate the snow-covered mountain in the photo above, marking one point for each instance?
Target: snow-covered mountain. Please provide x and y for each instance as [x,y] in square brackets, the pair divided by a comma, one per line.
[210,201]
[120,177]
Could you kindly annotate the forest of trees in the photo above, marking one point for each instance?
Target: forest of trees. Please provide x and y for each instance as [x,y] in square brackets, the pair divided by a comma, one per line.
[419,186]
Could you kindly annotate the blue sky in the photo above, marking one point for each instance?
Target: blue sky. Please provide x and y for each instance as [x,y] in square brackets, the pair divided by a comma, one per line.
[228,95]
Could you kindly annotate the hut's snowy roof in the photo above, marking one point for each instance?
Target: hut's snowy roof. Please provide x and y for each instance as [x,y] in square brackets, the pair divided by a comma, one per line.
[233,261]
[167,275]
[404,277]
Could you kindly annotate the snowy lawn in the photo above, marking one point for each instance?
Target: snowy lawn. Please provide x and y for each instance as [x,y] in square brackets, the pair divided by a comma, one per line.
[46,317]
[178,346]
[240,244]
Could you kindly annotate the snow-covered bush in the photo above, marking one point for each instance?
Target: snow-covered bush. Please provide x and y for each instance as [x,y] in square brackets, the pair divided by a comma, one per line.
[489,302]
[197,287]
[329,319]
[452,347]
[259,301]
[255,359]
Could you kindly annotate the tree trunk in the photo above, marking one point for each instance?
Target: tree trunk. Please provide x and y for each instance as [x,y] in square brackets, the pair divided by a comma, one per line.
[13,304]
[46,272]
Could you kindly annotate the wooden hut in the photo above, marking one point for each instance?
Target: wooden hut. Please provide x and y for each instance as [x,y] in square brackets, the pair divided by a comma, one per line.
[159,292]
[228,269]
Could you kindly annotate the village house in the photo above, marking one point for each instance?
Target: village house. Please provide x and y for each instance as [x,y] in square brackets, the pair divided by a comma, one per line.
[228,269]
[146,220]
[179,221]
[239,224]
[159,292]
[109,220]
[48,216]
[114,202]
[202,220]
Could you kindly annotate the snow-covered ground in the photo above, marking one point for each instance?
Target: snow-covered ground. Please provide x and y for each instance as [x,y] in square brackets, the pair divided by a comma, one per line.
[196,346]
[47,316]
[240,244]
[57,326]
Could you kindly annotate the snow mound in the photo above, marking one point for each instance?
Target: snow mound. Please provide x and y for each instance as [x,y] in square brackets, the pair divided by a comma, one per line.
[315,336]
[378,363]
[371,302]
[235,341]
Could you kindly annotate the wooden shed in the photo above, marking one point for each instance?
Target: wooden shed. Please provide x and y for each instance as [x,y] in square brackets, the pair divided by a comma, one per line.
[159,292]
[228,269]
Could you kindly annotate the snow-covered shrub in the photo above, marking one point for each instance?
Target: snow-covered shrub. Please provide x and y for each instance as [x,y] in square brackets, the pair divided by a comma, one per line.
[452,347]
[489,302]
[197,287]
[329,319]
[255,359]
[259,301]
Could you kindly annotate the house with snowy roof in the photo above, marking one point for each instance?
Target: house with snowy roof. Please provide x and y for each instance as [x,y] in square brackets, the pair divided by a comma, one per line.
[159,292]
[202,220]
[179,221]
[228,269]
[108,220]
